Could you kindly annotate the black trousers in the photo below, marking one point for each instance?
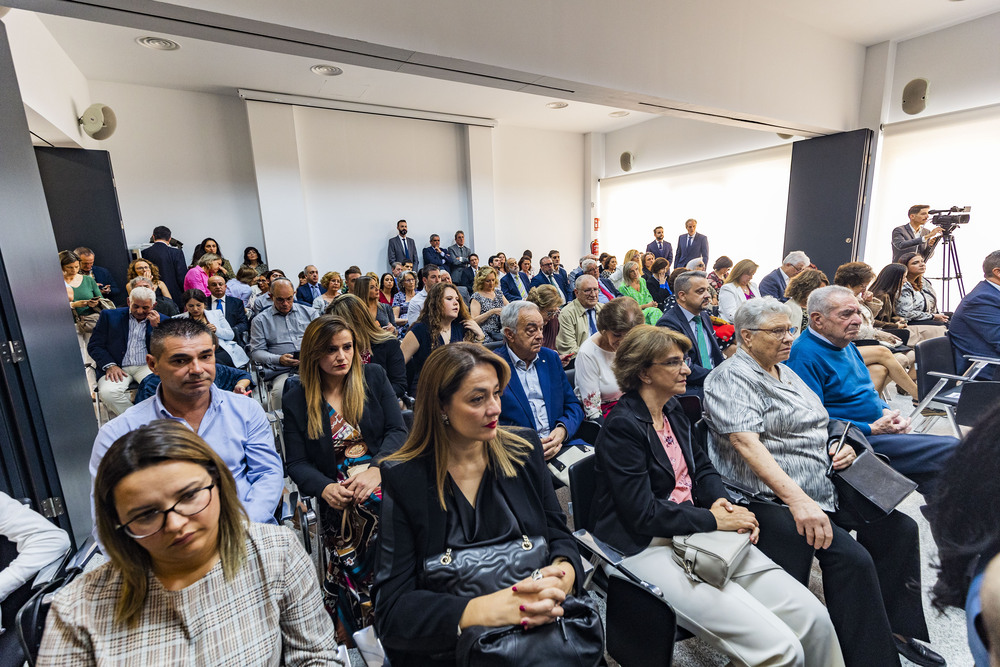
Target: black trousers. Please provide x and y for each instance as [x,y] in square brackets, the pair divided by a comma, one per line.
[872,584]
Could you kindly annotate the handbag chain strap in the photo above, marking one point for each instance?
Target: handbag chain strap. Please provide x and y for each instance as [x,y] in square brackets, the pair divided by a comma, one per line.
[526,545]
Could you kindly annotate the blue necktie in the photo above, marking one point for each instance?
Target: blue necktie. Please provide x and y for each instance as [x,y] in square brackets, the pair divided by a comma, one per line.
[406,249]
[218,304]
[591,321]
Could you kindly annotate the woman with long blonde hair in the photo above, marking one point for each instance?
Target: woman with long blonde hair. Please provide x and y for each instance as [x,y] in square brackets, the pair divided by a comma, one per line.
[341,417]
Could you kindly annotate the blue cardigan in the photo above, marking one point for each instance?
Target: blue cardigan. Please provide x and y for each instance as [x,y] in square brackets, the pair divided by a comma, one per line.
[840,379]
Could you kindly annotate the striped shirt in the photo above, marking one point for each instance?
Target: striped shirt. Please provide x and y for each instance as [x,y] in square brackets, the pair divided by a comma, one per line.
[741,397]
[135,348]
[270,613]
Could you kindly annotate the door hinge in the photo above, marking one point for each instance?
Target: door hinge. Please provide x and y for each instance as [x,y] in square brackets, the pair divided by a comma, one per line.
[53,507]
[12,352]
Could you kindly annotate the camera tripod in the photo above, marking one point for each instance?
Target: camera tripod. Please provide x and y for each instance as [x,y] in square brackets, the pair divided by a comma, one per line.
[951,269]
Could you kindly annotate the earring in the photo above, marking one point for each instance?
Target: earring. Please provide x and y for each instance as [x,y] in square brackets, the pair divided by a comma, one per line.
[445,420]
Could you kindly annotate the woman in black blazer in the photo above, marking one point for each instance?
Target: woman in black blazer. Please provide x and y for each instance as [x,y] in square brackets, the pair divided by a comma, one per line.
[654,481]
[376,345]
[340,419]
[460,482]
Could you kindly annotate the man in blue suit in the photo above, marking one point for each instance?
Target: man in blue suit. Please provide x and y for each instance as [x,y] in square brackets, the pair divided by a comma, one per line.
[659,247]
[689,316]
[119,346]
[169,260]
[513,290]
[776,281]
[436,255]
[547,276]
[691,245]
[975,326]
[538,395]
[232,308]
[309,292]
[402,249]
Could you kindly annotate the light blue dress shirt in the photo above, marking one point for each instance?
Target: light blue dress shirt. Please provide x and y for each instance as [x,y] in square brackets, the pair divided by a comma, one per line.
[528,375]
[236,428]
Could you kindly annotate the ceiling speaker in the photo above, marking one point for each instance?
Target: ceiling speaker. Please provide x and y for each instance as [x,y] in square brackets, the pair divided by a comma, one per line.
[627,161]
[99,121]
[915,96]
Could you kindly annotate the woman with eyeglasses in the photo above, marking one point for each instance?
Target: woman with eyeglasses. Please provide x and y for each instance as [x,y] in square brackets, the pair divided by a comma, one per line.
[768,433]
[402,298]
[190,579]
[654,481]
[487,303]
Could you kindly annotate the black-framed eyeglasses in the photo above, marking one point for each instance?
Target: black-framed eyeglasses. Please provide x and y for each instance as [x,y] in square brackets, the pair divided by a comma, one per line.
[779,332]
[151,522]
[672,363]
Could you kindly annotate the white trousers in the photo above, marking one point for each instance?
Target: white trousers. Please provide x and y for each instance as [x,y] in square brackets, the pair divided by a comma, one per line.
[766,618]
[277,388]
[115,394]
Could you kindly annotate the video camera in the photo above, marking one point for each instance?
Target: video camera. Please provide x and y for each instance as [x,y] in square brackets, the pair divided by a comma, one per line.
[947,219]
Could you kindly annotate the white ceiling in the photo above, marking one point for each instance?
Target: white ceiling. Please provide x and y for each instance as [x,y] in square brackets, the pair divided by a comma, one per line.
[110,53]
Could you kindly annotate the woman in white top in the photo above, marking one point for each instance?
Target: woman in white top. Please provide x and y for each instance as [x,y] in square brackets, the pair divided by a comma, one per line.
[194,306]
[738,288]
[596,386]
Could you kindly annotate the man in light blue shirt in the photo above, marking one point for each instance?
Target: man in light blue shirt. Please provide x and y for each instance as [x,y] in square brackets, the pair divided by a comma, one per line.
[235,426]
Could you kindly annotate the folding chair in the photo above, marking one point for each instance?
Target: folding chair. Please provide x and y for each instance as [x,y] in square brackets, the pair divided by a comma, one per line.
[935,360]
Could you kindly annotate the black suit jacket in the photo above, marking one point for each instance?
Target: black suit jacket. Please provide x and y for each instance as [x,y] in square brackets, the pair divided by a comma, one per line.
[236,315]
[170,262]
[635,479]
[389,356]
[311,463]
[413,623]
[666,253]
[304,295]
[676,318]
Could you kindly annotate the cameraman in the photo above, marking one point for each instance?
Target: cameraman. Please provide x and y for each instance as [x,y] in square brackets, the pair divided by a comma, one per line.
[913,236]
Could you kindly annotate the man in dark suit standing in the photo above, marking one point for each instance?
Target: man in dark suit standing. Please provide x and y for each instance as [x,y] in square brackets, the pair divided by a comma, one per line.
[689,316]
[119,346]
[538,395]
[308,293]
[547,276]
[975,326]
[436,255]
[402,249]
[169,260]
[691,245]
[659,247]
[913,236]
[231,307]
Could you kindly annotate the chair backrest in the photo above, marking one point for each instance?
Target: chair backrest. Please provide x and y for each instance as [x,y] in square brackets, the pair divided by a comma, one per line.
[933,354]
[640,626]
[692,408]
[571,376]
[408,420]
[582,487]
[588,432]
[494,345]
[976,401]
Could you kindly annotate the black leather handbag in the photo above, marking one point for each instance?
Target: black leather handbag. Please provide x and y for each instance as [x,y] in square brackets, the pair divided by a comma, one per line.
[476,571]
[868,487]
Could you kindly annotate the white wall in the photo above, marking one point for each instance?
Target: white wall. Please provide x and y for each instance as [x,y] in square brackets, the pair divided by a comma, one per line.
[183,160]
[739,202]
[962,64]
[539,193]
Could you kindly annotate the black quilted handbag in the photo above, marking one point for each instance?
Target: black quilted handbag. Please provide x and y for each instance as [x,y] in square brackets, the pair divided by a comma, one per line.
[476,571]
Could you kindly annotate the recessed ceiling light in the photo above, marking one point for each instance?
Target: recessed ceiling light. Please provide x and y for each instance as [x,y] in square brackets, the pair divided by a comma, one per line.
[158,43]
[618,114]
[326,70]
[557,105]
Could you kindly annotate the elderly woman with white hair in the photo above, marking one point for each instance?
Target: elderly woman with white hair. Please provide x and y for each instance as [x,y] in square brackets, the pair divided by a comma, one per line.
[768,433]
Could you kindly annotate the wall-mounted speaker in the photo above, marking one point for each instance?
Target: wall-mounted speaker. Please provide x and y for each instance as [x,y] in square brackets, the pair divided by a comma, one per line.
[627,161]
[915,96]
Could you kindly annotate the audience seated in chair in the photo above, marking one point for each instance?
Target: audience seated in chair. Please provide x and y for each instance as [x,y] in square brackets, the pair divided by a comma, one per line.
[375,345]
[768,433]
[231,308]
[578,319]
[689,316]
[975,326]
[776,281]
[655,481]
[308,293]
[276,335]
[594,381]
[119,345]
[538,396]
[227,378]
[429,276]
[235,426]
[831,366]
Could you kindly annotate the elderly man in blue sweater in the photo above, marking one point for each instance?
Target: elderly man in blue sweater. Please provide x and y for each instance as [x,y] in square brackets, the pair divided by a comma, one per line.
[825,357]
